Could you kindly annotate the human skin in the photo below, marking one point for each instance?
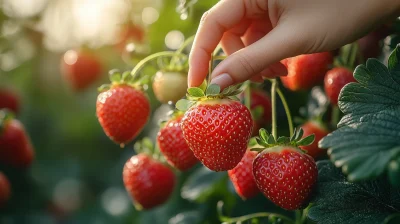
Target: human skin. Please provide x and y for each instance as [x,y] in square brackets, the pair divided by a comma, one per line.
[257,34]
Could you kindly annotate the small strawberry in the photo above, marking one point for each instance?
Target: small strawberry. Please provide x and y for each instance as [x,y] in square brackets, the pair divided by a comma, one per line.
[173,145]
[9,100]
[260,99]
[313,127]
[130,33]
[283,173]
[5,189]
[80,68]
[169,86]
[335,80]
[242,176]
[122,110]
[15,146]
[149,182]
[306,71]
[216,127]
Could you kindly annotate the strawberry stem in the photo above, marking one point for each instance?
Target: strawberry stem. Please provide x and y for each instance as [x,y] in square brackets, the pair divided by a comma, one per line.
[247,97]
[178,52]
[287,110]
[227,220]
[273,102]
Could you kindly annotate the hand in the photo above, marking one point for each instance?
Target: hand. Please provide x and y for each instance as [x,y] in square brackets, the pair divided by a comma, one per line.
[257,34]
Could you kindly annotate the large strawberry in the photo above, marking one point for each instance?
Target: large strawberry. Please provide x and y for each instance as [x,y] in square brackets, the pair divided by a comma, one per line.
[9,100]
[5,189]
[122,110]
[169,86]
[216,127]
[80,68]
[306,71]
[173,145]
[242,176]
[15,146]
[335,80]
[316,128]
[284,173]
[149,182]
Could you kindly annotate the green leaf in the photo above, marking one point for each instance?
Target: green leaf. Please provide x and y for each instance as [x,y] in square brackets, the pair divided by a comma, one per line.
[213,89]
[126,76]
[257,112]
[104,87]
[196,92]
[307,140]
[340,202]
[234,98]
[263,134]
[283,140]
[271,140]
[299,134]
[201,184]
[368,137]
[293,137]
[115,75]
[394,172]
[184,104]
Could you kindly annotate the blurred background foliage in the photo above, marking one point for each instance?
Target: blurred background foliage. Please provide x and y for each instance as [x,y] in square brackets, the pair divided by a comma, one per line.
[77,173]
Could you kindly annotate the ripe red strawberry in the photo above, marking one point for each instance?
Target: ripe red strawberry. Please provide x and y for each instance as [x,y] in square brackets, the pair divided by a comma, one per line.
[260,99]
[173,145]
[149,182]
[335,80]
[169,86]
[80,69]
[15,146]
[130,33]
[306,71]
[285,175]
[313,127]
[242,176]
[9,100]
[5,189]
[217,131]
[122,111]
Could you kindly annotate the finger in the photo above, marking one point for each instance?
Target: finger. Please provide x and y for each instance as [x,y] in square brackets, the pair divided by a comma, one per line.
[258,29]
[275,70]
[222,17]
[231,40]
[281,42]
[257,79]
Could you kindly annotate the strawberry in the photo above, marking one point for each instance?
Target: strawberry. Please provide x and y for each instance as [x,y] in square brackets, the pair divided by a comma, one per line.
[313,127]
[130,33]
[242,176]
[306,71]
[149,182]
[80,68]
[122,111]
[173,145]
[5,189]
[216,127]
[169,86]
[260,99]
[335,80]
[15,146]
[9,100]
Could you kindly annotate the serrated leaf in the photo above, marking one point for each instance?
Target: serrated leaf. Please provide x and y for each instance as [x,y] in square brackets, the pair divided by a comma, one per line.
[184,104]
[115,77]
[299,134]
[228,90]
[213,89]
[306,141]
[201,184]
[368,137]
[340,202]
[283,139]
[196,92]
[271,140]
[263,134]
[261,142]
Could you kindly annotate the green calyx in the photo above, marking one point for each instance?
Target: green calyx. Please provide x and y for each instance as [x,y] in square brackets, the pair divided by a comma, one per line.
[5,116]
[210,92]
[172,115]
[125,78]
[266,140]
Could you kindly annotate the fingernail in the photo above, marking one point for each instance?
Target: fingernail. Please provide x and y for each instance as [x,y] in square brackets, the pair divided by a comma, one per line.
[223,80]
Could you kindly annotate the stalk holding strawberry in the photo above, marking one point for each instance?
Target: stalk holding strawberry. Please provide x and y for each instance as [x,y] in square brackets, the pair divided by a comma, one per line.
[216,127]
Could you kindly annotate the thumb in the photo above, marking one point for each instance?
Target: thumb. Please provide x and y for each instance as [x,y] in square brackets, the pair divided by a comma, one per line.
[261,56]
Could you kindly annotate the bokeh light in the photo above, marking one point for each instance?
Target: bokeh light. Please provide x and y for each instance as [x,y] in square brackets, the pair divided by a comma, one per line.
[174,39]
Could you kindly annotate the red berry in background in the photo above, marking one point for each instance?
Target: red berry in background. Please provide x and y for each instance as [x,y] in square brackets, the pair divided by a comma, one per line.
[5,189]
[242,176]
[15,146]
[259,99]
[80,69]
[313,127]
[173,145]
[149,182]
[286,176]
[169,86]
[9,100]
[218,131]
[306,71]
[335,80]
[130,33]
[123,112]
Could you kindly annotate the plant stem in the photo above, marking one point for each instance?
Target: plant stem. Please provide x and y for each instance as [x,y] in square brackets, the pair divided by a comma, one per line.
[180,49]
[287,110]
[256,215]
[139,66]
[247,96]
[335,116]
[273,102]
[299,217]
